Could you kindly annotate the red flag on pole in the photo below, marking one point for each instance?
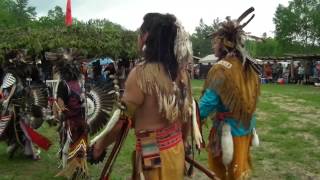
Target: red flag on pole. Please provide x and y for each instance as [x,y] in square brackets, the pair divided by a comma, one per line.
[68,14]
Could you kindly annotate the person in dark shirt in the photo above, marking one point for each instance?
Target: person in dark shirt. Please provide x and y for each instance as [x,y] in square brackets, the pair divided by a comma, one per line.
[74,129]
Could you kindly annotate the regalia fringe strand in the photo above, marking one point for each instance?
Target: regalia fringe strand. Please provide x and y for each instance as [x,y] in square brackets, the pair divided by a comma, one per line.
[241,100]
[173,101]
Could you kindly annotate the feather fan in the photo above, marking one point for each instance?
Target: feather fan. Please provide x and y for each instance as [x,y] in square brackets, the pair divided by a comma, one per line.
[100,102]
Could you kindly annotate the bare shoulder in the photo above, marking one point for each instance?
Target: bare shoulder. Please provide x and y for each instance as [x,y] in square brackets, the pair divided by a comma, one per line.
[132,92]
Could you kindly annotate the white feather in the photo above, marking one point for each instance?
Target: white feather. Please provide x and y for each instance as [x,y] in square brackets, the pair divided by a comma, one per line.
[115,81]
[114,119]
[116,87]
[255,138]
[226,144]
[97,107]
[196,131]
[111,92]
[142,176]
[65,150]
[90,107]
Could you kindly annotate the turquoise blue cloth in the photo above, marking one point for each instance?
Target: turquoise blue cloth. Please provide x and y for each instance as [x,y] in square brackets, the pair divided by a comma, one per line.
[210,102]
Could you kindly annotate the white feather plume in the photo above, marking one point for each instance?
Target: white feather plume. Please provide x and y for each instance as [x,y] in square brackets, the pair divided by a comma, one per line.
[183,46]
[65,150]
[113,121]
[196,130]
[255,138]
[226,144]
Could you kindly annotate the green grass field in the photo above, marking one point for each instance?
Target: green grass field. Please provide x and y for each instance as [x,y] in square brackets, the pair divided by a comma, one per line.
[288,124]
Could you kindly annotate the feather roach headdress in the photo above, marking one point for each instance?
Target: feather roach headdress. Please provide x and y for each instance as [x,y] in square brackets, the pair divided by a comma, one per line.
[67,63]
[232,36]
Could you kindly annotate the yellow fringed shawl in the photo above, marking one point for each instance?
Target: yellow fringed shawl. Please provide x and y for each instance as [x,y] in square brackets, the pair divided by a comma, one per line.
[174,98]
[76,167]
[237,87]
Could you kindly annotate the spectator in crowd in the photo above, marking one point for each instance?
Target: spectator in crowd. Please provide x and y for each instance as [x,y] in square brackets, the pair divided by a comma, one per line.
[295,73]
[96,70]
[286,73]
[196,70]
[274,68]
[122,75]
[279,70]
[268,72]
[301,72]
[84,70]
[308,71]
[317,74]
[109,70]
[90,72]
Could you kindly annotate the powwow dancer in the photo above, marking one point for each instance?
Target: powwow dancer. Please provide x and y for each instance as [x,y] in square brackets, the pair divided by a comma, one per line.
[73,126]
[22,103]
[82,109]
[157,99]
[231,90]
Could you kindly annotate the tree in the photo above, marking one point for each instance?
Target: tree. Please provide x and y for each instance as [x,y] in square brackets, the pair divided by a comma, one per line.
[267,47]
[55,18]
[56,13]
[315,14]
[24,12]
[297,27]
[16,13]
[7,16]
[201,40]
[298,22]
[96,38]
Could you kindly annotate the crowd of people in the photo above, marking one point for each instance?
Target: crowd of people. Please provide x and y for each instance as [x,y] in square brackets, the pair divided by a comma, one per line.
[301,72]
[298,72]
[101,73]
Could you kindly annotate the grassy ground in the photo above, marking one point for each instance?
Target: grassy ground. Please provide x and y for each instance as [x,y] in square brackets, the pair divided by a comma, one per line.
[288,124]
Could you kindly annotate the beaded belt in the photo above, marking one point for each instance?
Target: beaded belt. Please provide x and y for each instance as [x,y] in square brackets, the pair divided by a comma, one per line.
[166,137]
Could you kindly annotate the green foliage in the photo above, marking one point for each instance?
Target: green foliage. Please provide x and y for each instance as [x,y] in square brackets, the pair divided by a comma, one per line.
[7,16]
[201,43]
[268,47]
[272,47]
[96,37]
[14,13]
[299,22]
[23,12]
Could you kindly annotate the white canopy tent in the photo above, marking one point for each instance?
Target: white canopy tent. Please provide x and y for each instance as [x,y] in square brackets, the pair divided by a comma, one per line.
[211,58]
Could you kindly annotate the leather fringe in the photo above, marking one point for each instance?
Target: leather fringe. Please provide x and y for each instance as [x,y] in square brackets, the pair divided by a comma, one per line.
[174,98]
[238,91]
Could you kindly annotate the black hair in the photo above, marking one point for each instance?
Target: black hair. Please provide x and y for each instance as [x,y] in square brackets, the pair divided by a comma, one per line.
[15,66]
[162,33]
[69,71]
[97,68]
